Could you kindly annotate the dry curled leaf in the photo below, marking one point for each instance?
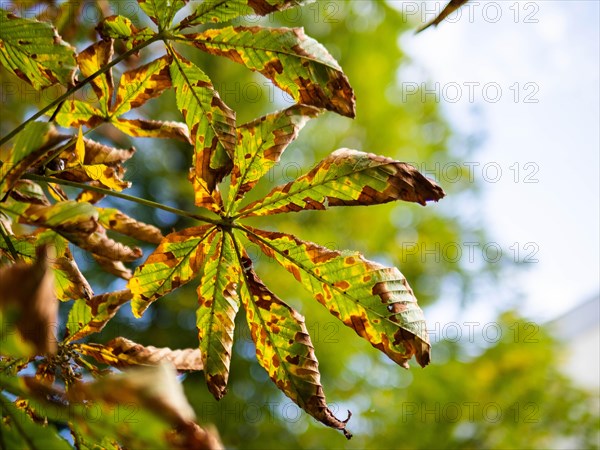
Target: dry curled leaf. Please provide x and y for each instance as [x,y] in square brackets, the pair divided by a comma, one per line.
[121,352]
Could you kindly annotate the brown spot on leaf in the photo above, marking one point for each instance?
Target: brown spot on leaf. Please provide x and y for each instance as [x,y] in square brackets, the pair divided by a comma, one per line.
[272,69]
[275,360]
[295,360]
[343,284]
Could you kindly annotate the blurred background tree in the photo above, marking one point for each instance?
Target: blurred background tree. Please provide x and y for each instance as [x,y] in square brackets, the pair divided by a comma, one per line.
[508,393]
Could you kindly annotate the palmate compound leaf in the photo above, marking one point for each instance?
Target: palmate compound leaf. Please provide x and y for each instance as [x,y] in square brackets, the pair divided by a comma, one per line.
[259,146]
[174,262]
[92,59]
[218,304]
[348,177]
[284,348]
[212,129]
[295,62]
[375,301]
[216,11]
[34,52]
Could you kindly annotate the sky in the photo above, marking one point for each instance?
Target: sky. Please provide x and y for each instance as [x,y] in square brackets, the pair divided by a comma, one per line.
[527,75]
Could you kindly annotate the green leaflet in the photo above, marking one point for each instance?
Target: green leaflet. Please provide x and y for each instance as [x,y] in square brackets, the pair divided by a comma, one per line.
[259,147]
[76,113]
[211,122]
[218,305]
[34,52]
[293,61]
[120,27]
[348,177]
[224,10]
[90,61]
[284,348]
[79,316]
[139,85]
[91,316]
[373,300]
[162,11]
[174,262]
[35,135]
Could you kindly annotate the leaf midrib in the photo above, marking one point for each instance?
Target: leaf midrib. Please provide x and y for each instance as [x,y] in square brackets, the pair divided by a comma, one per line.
[214,304]
[185,257]
[290,194]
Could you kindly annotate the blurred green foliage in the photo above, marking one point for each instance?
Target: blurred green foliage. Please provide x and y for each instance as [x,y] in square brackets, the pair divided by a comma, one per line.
[507,394]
